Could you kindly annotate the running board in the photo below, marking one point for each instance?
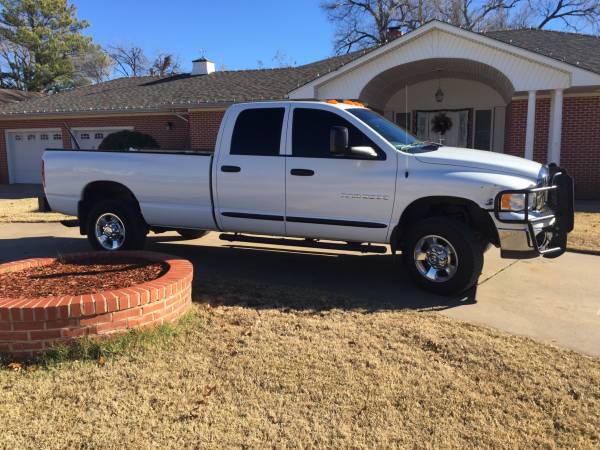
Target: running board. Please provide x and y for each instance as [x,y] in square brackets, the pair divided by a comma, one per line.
[306,243]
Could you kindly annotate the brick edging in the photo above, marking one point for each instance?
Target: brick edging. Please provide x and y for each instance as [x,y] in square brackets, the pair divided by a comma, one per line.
[28,326]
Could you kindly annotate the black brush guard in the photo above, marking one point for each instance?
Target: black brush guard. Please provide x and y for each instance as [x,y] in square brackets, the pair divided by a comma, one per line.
[560,203]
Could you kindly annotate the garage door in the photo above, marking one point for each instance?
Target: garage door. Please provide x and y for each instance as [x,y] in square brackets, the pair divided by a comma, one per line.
[90,139]
[25,149]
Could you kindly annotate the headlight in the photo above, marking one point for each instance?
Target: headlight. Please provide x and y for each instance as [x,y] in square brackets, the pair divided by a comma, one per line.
[516,202]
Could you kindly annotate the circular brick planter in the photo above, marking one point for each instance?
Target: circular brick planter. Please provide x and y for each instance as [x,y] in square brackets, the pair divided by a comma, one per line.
[29,326]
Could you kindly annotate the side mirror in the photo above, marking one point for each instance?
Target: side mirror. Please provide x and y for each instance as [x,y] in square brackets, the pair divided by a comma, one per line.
[338,140]
[364,152]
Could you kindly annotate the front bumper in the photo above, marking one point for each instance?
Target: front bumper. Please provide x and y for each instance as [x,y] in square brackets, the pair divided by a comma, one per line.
[541,234]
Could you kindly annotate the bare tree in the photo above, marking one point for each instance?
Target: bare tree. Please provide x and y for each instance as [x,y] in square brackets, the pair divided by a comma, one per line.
[476,15]
[364,23]
[281,59]
[165,64]
[130,60]
[93,66]
[572,14]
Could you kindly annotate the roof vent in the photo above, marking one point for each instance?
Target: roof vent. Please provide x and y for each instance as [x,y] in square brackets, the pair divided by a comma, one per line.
[202,66]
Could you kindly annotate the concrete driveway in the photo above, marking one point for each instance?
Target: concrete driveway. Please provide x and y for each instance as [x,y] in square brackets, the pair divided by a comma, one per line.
[555,301]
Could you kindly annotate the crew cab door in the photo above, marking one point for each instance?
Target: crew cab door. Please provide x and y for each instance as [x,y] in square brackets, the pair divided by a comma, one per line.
[250,170]
[336,196]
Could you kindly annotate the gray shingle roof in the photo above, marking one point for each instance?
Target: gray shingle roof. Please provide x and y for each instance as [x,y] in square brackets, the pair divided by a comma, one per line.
[13,95]
[223,87]
[581,50]
[180,91]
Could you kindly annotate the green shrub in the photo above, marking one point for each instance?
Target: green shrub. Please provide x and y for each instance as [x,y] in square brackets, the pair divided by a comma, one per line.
[126,139]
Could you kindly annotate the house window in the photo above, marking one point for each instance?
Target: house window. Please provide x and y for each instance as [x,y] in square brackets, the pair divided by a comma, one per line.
[57,137]
[99,136]
[85,136]
[31,137]
[18,137]
[43,137]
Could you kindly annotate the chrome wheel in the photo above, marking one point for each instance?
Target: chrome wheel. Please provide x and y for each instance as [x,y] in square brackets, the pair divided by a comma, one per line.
[110,231]
[435,258]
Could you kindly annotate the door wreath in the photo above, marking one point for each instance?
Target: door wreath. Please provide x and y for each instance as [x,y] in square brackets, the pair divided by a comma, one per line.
[441,123]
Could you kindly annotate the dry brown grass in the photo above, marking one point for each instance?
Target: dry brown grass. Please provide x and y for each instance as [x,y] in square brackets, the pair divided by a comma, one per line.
[266,367]
[26,210]
[586,235]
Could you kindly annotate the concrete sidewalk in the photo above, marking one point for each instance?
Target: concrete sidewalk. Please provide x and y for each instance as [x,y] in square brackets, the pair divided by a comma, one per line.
[555,301]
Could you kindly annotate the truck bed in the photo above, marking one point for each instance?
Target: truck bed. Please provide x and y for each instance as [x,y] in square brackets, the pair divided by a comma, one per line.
[173,187]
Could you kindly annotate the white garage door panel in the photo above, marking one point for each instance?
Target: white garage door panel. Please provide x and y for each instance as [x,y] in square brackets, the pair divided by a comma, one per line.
[91,138]
[25,153]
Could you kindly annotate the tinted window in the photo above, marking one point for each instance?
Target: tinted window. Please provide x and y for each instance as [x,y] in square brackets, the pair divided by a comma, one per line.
[310,133]
[395,135]
[257,132]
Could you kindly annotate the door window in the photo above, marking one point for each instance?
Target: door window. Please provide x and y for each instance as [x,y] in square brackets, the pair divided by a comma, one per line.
[257,131]
[311,134]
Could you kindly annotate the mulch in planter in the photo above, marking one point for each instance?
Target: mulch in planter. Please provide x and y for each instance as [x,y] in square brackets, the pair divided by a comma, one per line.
[77,278]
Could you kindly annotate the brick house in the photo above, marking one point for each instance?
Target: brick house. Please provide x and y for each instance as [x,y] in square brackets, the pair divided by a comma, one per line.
[530,93]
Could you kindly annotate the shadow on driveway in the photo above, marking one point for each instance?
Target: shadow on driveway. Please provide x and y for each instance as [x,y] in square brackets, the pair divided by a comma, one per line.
[20,191]
[368,282]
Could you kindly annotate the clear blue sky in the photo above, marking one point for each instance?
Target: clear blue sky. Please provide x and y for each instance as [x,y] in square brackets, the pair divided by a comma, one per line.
[235,33]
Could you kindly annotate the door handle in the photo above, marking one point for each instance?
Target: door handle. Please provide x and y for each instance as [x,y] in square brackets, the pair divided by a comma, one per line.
[302,172]
[230,169]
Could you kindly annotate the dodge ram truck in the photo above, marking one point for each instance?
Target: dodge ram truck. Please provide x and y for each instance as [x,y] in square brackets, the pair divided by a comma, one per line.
[324,171]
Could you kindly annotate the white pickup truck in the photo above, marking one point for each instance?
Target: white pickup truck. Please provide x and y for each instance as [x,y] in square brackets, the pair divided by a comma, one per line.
[324,171]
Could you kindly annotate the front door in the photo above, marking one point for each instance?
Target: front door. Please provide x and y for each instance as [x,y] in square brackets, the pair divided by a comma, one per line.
[250,191]
[336,197]
[456,134]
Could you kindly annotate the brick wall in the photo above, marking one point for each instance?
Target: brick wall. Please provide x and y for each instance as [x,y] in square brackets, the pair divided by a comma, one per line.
[204,127]
[580,149]
[29,326]
[580,146]
[155,125]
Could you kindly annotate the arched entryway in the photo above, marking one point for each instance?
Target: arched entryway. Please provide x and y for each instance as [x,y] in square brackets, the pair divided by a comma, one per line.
[468,96]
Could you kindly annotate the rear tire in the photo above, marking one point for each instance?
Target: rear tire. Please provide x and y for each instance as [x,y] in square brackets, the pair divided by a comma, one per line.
[443,256]
[114,225]
[191,234]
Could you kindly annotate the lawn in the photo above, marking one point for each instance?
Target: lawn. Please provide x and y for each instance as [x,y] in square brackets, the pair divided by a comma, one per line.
[586,235]
[26,210]
[255,366]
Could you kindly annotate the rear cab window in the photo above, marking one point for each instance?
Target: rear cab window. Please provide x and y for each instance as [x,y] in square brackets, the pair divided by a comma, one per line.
[257,132]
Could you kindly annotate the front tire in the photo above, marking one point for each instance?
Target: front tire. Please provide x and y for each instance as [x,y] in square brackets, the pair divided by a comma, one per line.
[113,226]
[443,256]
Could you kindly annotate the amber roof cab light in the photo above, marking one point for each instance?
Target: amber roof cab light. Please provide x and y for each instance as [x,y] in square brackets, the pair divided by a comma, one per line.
[346,102]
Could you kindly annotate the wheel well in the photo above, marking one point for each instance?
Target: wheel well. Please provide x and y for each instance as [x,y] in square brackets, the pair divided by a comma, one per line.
[102,190]
[459,208]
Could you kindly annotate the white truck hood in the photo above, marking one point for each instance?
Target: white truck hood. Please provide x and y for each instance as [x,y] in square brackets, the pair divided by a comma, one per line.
[484,160]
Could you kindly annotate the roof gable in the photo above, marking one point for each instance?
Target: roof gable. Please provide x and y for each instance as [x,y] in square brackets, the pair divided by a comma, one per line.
[442,40]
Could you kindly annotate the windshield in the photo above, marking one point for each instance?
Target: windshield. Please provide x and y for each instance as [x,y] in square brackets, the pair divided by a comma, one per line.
[398,137]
